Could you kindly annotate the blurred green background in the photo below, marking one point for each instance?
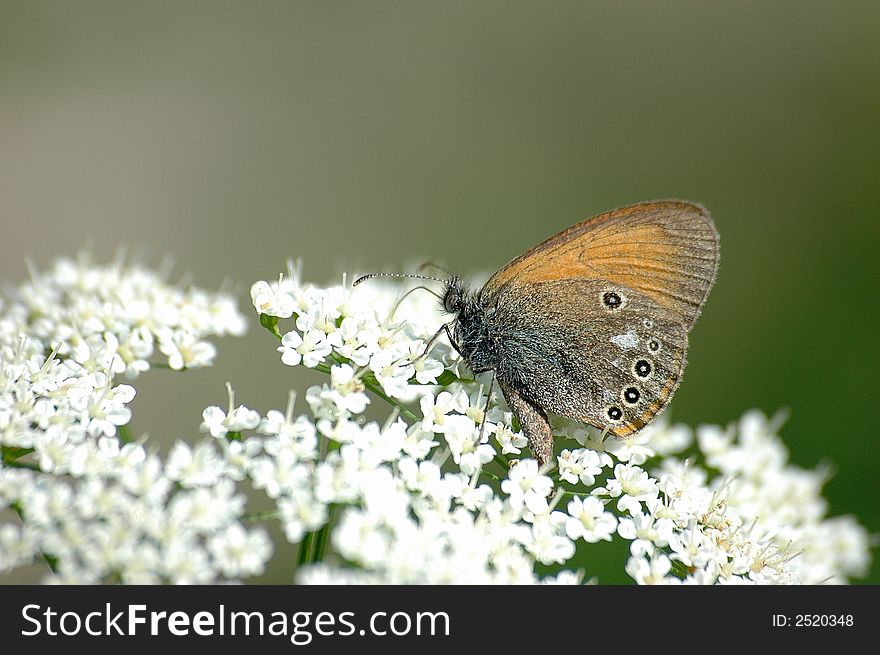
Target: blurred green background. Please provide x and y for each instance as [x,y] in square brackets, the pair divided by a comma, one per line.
[364,136]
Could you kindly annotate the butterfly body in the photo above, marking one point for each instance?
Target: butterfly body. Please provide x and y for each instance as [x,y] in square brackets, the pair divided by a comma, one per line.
[591,324]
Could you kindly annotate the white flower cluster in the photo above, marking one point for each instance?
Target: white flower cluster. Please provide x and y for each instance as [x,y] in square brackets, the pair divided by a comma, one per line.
[441,490]
[432,497]
[96,506]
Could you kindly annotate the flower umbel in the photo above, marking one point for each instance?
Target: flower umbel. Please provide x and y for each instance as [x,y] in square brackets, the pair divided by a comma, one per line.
[424,495]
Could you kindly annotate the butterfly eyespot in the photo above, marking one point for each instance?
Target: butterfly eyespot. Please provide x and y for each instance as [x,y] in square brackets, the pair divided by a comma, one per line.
[654,345]
[648,323]
[614,413]
[631,395]
[611,300]
[642,368]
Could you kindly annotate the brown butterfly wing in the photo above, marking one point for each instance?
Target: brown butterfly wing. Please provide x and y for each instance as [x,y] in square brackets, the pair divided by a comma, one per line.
[666,250]
[567,352]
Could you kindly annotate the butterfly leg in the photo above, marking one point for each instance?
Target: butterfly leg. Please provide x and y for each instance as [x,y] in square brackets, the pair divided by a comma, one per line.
[486,410]
[534,423]
[431,343]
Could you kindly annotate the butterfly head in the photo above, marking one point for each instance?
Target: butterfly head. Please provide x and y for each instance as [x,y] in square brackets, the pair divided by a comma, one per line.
[454,295]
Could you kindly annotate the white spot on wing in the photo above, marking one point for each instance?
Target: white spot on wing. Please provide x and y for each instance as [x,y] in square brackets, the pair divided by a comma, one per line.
[625,341]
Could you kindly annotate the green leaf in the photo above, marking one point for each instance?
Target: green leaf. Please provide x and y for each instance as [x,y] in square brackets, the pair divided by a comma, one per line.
[124,434]
[447,377]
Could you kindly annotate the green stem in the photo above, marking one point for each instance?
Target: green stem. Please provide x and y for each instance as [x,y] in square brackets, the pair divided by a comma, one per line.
[305,549]
[403,410]
[576,494]
[253,517]
[51,562]
[323,538]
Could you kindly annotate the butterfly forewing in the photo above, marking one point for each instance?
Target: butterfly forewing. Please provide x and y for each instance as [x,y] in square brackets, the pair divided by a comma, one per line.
[666,250]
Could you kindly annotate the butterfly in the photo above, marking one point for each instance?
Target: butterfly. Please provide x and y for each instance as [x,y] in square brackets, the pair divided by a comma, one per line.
[592,324]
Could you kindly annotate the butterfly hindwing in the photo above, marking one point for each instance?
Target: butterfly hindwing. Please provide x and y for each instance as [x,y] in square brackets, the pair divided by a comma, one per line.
[591,350]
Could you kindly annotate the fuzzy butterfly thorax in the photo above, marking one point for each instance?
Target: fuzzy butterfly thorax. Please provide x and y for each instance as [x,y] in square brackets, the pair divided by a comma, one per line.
[472,334]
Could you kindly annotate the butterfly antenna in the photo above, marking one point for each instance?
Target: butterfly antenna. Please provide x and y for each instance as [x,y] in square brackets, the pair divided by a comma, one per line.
[413,290]
[370,276]
[437,266]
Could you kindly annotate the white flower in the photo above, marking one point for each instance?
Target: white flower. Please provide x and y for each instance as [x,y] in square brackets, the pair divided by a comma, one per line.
[193,467]
[577,465]
[511,442]
[358,340]
[589,521]
[272,300]
[204,509]
[684,487]
[238,553]
[242,418]
[381,445]
[347,391]
[280,474]
[548,546]
[136,346]
[418,443]
[565,578]
[422,477]
[427,370]
[360,538]
[666,439]
[91,458]
[653,571]
[630,485]
[185,350]
[299,435]
[185,562]
[53,450]
[300,513]
[107,410]
[436,409]
[592,439]
[17,546]
[691,547]
[461,437]
[632,448]
[526,486]
[218,424]
[143,566]
[474,497]
[238,456]
[392,374]
[146,480]
[645,532]
[337,479]
[310,348]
